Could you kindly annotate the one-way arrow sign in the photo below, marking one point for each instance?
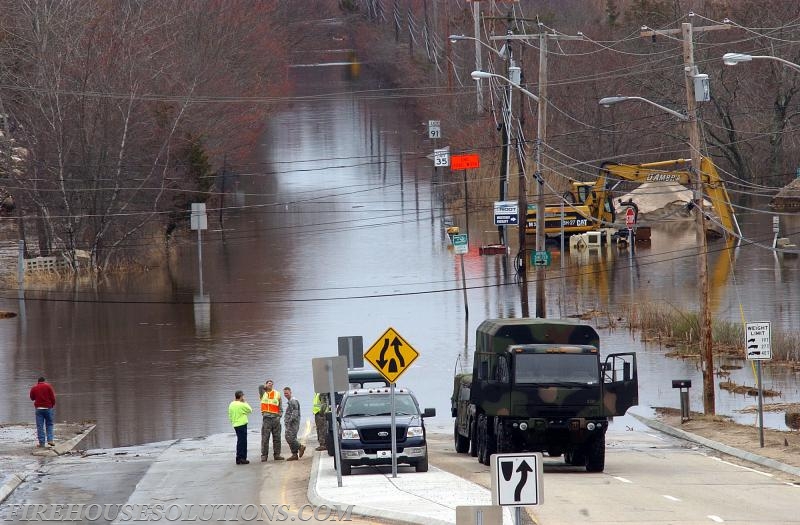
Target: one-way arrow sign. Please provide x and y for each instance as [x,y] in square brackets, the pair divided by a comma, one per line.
[517,479]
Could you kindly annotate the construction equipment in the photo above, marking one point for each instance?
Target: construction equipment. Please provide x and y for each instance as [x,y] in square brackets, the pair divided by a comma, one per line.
[589,205]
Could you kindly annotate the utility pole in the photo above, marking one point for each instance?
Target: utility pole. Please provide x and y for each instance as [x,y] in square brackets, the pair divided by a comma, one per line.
[693,131]
[476,15]
[541,138]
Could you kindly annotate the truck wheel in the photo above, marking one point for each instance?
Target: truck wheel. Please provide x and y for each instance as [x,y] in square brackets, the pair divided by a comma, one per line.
[461,442]
[491,440]
[596,454]
[576,458]
[473,441]
[502,437]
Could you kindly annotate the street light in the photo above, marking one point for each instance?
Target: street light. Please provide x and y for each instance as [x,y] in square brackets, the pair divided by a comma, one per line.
[609,101]
[731,59]
[478,62]
[706,338]
[523,197]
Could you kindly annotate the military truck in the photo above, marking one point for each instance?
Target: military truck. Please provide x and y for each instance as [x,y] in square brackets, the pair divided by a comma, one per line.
[540,385]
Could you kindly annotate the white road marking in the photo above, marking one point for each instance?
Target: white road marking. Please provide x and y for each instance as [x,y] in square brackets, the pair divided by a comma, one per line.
[671,498]
[767,474]
[715,518]
[655,436]
[623,479]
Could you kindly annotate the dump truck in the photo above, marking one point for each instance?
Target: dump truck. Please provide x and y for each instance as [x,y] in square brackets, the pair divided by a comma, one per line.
[541,385]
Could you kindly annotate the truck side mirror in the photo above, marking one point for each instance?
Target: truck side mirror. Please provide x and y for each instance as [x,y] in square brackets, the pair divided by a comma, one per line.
[429,412]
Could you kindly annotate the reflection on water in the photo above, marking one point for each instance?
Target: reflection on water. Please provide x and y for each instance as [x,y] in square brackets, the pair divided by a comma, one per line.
[333,238]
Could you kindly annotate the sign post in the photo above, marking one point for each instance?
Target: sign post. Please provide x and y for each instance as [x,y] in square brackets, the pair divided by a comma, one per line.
[758,347]
[517,480]
[330,373]
[461,246]
[399,359]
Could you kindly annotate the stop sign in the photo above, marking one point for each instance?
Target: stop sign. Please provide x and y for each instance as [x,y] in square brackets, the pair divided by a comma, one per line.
[630,218]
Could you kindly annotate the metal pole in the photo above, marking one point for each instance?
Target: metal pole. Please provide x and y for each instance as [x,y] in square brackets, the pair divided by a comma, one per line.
[517,515]
[760,406]
[541,133]
[200,258]
[466,199]
[464,286]
[335,423]
[394,436]
[476,15]
[706,342]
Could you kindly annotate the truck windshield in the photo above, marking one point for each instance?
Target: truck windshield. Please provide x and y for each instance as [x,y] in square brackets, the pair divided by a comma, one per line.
[379,405]
[557,368]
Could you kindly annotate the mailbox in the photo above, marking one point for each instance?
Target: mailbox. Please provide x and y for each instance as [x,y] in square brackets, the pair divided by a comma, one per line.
[684,385]
[681,383]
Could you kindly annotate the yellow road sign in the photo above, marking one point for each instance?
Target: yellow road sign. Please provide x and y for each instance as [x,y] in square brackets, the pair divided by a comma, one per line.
[391,355]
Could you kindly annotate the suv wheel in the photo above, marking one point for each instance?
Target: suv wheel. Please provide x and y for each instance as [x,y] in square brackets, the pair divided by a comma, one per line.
[347,468]
[422,464]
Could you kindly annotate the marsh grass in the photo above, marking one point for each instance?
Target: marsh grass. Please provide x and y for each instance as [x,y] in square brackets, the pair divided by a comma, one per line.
[666,324]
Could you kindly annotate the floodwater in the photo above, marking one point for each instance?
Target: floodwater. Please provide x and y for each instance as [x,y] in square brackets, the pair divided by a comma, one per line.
[329,234]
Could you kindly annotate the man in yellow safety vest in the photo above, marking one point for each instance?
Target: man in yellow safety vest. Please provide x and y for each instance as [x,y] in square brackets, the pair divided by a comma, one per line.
[271,412]
[319,409]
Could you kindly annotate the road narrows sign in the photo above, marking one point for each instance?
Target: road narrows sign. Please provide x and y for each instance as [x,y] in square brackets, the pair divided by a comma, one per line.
[391,355]
[517,479]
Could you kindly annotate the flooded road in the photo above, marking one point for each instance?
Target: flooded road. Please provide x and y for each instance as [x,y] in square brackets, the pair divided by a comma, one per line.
[327,234]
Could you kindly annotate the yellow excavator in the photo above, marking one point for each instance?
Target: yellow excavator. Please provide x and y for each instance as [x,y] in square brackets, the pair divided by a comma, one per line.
[589,206]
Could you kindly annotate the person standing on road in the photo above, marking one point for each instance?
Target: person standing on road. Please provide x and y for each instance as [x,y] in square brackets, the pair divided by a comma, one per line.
[237,413]
[271,411]
[44,401]
[319,409]
[292,421]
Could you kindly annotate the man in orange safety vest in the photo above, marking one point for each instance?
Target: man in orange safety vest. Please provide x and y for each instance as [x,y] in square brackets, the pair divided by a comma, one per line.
[271,412]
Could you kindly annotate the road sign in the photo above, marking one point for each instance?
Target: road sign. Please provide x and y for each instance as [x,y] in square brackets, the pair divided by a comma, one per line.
[461,243]
[441,157]
[198,219]
[517,479]
[391,355]
[630,218]
[776,224]
[757,341]
[465,162]
[541,258]
[352,347]
[434,129]
[320,368]
[506,213]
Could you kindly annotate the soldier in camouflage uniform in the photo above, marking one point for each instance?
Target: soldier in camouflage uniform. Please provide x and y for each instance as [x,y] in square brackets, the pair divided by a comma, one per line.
[291,420]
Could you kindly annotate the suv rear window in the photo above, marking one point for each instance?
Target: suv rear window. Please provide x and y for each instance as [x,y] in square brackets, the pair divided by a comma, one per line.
[379,405]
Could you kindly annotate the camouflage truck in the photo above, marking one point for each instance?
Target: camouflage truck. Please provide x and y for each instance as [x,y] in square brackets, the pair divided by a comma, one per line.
[539,385]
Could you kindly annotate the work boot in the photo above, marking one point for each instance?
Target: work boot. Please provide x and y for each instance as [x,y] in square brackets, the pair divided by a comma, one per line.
[302,450]
[321,447]
[263,459]
[293,457]
[278,458]
[51,443]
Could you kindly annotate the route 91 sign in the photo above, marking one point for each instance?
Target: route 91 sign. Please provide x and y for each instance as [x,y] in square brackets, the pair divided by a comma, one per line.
[517,479]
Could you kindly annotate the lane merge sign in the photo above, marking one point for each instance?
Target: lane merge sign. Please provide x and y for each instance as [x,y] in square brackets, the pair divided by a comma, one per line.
[757,341]
[391,355]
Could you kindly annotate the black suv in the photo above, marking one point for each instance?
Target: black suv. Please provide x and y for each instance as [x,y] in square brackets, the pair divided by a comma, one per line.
[365,429]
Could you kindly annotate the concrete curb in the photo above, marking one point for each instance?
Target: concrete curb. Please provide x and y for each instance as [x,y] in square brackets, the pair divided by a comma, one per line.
[62,448]
[735,452]
[400,518]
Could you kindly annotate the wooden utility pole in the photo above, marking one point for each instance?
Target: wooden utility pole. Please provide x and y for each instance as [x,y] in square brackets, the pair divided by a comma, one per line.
[541,138]
[693,131]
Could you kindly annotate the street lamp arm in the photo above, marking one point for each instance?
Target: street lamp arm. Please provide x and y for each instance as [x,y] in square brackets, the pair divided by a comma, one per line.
[456,38]
[477,75]
[608,101]
[731,59]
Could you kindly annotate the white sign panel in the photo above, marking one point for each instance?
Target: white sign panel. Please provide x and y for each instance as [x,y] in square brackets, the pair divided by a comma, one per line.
[441,157]
[199,219]
[757,341]
[434,129]
[517,479]
[506,212]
